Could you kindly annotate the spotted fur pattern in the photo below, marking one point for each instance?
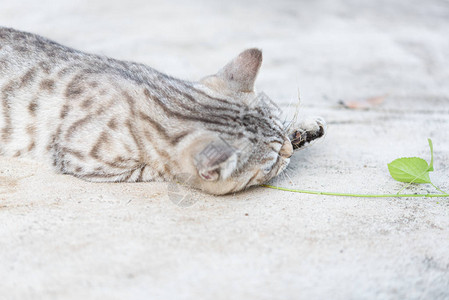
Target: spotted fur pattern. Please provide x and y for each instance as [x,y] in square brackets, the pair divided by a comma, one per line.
[106,120]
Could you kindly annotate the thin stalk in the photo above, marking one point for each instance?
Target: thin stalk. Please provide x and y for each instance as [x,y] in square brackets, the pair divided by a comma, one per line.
[413,181]
[354,195]
[438,188]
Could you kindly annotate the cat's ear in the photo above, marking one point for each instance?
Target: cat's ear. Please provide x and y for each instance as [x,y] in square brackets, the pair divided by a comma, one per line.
[239,74]
[216,159]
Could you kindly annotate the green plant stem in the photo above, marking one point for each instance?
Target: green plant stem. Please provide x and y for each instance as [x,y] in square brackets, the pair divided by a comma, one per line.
[355,195]
[438,188]
[419,176]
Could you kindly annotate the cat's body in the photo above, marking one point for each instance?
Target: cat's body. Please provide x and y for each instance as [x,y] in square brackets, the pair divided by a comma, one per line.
[102,119]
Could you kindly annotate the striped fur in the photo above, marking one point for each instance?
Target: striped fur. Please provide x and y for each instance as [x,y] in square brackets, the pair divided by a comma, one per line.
[101,119]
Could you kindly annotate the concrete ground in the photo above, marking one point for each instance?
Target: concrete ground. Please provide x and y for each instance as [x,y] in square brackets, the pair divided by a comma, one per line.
[63,238]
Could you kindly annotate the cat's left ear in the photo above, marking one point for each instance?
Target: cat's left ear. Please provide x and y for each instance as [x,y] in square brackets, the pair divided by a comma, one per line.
[239,74]
[217,159]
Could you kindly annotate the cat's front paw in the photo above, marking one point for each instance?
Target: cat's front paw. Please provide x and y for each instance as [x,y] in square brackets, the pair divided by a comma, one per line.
[309,130]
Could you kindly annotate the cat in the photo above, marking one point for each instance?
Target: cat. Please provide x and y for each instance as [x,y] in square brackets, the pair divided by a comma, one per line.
[107,120]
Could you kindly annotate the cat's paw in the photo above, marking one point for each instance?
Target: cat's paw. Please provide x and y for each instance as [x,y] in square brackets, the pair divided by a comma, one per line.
[309,130]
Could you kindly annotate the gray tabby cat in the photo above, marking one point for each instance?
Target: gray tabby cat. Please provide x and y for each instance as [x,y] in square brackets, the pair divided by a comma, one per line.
[106,120]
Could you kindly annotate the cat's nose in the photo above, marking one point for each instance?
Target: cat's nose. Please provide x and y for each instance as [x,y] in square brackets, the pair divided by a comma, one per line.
[286,150]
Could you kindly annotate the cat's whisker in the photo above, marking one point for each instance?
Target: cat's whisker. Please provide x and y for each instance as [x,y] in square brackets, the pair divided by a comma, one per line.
[299,98]
[286,174]
[298,104]
[287,124]
[287,128]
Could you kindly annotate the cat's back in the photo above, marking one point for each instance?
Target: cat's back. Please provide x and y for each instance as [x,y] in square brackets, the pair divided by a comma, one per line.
[30,90]
[21,50]
[28,59]
[50,91]
[45,86]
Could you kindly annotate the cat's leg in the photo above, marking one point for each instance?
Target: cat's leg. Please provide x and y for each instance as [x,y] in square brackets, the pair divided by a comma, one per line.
[94,163]
[101,169]
[309,130]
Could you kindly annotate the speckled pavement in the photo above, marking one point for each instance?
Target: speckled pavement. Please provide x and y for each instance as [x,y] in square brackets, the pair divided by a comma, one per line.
[63,238]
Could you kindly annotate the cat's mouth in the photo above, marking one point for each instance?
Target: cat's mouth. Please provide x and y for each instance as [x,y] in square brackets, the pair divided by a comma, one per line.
[282,166]
[278,167]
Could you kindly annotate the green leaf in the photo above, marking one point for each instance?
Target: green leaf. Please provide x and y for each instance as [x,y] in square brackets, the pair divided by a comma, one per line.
[410,169]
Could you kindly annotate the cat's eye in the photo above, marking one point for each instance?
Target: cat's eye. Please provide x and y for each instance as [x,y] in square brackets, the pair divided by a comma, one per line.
[266,170]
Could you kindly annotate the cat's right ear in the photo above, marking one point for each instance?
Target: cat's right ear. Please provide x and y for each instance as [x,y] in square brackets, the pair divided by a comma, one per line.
[239,74]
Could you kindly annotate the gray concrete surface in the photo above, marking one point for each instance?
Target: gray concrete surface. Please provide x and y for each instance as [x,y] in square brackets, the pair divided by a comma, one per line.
[62,238]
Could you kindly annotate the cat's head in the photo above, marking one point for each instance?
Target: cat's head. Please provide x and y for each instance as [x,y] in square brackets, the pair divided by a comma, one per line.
[249,144]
